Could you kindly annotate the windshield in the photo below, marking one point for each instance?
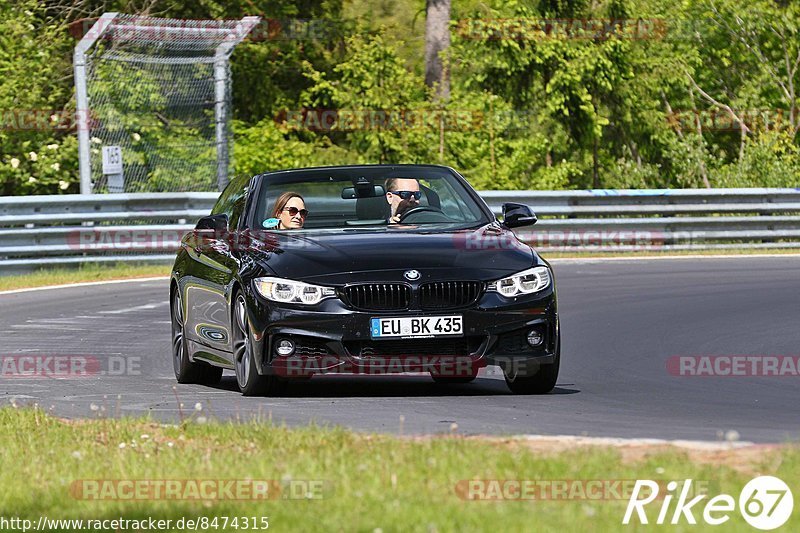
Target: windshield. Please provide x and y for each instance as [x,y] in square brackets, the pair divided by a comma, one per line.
[365,197]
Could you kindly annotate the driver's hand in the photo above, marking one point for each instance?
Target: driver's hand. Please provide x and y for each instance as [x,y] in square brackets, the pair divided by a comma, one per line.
[405,205]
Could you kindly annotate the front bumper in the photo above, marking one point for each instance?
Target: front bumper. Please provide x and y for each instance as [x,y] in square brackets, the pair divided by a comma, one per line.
[333,338]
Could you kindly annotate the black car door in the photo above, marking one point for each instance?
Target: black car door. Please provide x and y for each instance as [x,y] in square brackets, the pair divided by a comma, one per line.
[207,283]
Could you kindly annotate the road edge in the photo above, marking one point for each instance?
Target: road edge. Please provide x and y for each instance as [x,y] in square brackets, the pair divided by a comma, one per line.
[83,284]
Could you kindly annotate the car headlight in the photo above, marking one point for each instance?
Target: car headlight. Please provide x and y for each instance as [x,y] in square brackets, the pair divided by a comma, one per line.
[290,291]
[526,282]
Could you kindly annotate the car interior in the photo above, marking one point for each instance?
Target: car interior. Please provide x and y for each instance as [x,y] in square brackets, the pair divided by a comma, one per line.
[342,203]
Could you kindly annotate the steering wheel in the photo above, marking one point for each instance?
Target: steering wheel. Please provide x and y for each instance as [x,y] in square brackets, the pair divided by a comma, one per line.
[421,209]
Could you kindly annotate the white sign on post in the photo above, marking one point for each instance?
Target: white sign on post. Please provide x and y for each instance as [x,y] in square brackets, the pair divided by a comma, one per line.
[112,168]
[112,160]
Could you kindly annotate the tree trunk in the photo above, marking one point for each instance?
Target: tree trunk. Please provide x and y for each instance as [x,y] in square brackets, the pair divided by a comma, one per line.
[491,141]
[699,127]
[595,165]
[437,40]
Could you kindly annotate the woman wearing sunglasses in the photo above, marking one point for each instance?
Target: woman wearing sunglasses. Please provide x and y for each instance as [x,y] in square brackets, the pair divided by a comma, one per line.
[290,211]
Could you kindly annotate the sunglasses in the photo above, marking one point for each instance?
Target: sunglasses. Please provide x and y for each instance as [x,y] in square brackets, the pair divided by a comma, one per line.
[293,211]
[405,195]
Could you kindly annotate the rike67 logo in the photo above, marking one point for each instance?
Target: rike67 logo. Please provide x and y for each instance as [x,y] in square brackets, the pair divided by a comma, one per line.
[765,503]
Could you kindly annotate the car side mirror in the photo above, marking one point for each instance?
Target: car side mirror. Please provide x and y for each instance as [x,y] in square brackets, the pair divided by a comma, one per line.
[213,222]
[517,215]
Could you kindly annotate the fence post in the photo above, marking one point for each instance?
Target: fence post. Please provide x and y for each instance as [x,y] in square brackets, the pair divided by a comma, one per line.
[221,88]
[82,99]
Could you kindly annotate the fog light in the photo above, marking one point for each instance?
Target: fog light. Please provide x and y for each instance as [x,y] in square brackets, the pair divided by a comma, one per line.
[284,347]
[535,337]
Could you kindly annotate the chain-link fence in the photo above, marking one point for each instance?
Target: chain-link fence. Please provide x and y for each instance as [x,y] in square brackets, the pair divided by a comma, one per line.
[160,91]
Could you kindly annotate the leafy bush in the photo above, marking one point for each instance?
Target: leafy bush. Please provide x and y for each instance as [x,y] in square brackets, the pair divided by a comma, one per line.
[771,160]
[47,168]
[533,111]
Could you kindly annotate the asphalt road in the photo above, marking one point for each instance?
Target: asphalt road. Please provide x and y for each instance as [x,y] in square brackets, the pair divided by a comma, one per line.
[621,322]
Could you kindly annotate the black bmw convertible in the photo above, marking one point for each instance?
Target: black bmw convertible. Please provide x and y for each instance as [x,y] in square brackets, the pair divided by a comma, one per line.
[379,269]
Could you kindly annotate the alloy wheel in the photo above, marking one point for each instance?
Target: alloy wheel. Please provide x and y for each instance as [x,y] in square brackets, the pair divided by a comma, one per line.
[242,351]
[177,333]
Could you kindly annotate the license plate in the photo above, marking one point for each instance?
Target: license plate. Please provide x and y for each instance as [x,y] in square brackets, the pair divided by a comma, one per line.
[417,326]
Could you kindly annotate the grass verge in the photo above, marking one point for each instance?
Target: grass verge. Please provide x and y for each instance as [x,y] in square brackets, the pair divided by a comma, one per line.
[370,482]
[85,273]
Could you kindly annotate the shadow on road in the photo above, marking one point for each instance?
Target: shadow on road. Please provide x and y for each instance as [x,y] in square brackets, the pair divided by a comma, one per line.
[389,386]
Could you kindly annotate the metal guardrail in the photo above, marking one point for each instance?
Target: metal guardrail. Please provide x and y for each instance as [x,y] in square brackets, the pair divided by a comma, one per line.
[54,230]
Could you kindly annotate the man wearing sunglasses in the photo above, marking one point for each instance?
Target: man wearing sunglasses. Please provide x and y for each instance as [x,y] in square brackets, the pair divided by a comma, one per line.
[402,194]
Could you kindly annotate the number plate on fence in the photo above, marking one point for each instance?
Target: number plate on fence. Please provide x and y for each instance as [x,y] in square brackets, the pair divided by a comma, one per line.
[112,160]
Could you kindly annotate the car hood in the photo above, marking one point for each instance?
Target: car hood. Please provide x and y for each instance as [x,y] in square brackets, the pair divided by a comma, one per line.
[348,255]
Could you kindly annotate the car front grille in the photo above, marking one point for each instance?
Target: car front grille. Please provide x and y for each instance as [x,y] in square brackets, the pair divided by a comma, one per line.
[379,296]
[449,294]
[461,346]
[438,295]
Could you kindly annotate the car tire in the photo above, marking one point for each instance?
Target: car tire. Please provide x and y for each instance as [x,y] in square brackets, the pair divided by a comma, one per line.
[542,382]
[250,382]
[185,370]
